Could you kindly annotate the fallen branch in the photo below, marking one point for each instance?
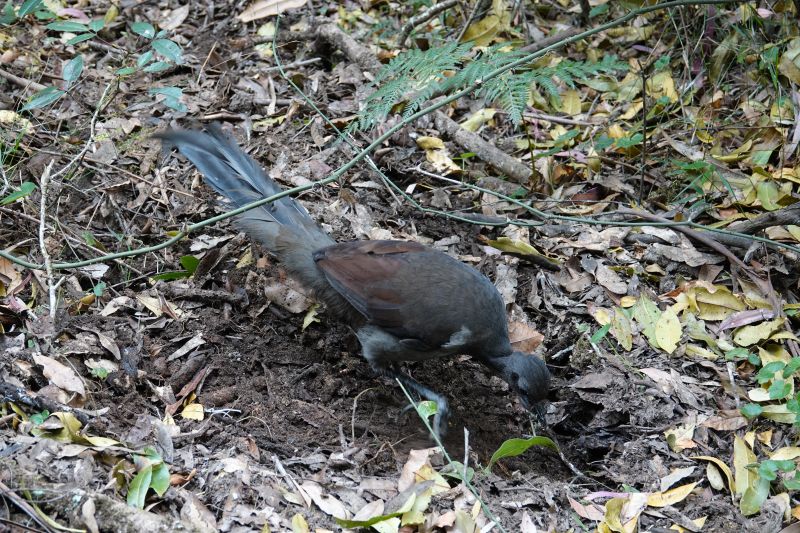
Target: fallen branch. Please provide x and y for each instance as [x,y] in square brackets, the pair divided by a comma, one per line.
[424,16]
[787,215]
[80,508]
[487,152]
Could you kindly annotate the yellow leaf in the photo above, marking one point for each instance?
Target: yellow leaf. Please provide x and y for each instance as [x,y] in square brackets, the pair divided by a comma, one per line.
[742,456]
[668,331]
[719,464]
[430,143]
[699,351]
[670,497]
[778,413]
[478,119]
[311,316]
[571,102]
[662,84]
[299,524]
[749,335]
[632,111]
[15,121]
[602,316]
[789,64]
[193,411]
[627,301]
[787,452]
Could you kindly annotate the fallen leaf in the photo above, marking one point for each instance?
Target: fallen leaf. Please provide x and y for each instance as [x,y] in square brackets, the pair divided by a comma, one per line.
[60,375]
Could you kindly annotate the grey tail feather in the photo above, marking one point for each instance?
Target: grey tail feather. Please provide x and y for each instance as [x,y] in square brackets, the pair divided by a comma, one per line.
[284,226]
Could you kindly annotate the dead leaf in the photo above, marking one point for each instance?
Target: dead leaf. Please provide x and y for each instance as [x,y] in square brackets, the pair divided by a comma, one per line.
[269,8]
[60,375]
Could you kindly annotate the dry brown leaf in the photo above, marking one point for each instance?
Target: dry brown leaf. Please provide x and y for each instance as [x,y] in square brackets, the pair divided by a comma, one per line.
[60,374]
[269,8]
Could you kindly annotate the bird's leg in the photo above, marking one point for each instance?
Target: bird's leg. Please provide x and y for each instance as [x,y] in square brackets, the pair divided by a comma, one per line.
[442,409]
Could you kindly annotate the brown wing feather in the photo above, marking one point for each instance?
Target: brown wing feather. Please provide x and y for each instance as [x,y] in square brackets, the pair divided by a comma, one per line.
[365,273]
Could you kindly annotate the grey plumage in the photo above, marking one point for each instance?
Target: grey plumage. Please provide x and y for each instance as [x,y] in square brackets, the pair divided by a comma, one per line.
[407,302]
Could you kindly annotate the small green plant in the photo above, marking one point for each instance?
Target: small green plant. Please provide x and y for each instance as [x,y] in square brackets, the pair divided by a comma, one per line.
[159,54]
[514,447]
[189,263]
[152,473]
[416,76]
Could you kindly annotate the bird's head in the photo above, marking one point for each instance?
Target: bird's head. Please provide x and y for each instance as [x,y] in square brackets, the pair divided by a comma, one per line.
[527,375]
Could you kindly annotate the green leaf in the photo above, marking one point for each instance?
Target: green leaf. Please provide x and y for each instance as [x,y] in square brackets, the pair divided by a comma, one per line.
[169,49]
[160,480]
[189,262]
[25,189]
[28,6]
[779,389]
[456,471]
[794,483]
[99,372]
[145,58]
[72,70]
[514,447]
[737,354]
[99,289]
[44,14]
[169,92]
[174,103]
[39,418]
[137,490]
[754,497]
[791,367]
[67,25]
[173,95]
[427,409]
[351,524]
[768,371]
[600,333]
[158,66]
[7,16]
[80,38]
[46,96]
[145,29]
[97,24]
[751,410]
[125,71]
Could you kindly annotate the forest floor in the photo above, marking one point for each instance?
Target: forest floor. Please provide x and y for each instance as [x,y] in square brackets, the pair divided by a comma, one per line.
[196,387]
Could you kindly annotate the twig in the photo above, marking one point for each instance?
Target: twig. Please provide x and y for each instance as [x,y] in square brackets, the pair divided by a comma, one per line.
[353,416]
[293,65]
[550,41]
[24,506]
[90,140]
[559,120]
[52,286]
[424,16]
[472,15]
[787,215]
[22,82]
[14,394]
[466,451]
[203,66]
[485,151]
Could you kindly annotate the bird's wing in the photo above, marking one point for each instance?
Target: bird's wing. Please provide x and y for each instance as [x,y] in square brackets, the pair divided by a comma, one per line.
[373,276]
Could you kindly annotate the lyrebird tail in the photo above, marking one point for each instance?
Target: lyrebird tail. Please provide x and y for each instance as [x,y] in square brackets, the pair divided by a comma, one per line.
[284,226]
[236,176]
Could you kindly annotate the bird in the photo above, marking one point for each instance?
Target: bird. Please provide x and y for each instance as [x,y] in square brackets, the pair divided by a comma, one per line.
[405,301]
